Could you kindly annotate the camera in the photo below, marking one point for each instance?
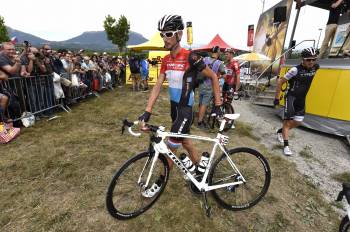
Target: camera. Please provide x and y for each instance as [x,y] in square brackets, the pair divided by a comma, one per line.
[26,43]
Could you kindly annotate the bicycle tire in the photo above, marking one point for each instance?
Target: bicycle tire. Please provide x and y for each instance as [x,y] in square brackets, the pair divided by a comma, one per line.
[344,224]
[248,169]
[117,202]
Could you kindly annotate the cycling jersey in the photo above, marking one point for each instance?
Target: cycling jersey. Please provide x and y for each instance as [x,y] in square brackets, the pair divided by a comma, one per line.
[181,73]
[299,80]
[232,72]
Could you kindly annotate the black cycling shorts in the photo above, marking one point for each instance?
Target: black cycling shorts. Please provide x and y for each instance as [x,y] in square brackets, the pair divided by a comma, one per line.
[294,108]
[182,117]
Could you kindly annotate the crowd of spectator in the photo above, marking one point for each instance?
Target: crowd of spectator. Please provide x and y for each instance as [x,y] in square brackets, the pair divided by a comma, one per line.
[42,76]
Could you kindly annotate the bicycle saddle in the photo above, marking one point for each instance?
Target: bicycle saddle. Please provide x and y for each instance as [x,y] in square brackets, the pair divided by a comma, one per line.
[232,116]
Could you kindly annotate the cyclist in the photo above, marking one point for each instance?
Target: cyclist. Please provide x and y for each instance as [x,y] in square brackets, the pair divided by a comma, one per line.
[232,77]
[205,87]
[180,68]
[299,80]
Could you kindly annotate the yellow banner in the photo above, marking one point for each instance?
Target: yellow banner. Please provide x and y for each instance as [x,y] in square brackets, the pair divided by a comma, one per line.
[152,77]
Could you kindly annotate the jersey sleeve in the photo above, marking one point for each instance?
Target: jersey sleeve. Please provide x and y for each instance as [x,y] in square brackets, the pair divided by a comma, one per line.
[237,69]
[291,73]
[163,67]
[196,61]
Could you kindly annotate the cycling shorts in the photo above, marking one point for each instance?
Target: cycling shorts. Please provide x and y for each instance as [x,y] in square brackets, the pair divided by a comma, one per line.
[182,117]
[294,108]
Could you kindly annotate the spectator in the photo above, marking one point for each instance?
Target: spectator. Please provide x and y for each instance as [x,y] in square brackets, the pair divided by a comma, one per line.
[32,63]
[134,65]
[144,73]
[205,86]
[346,47]
[3,98]
[332,23]
[9,61]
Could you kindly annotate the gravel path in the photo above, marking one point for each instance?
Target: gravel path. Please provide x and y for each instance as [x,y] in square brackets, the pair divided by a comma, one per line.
[327,155]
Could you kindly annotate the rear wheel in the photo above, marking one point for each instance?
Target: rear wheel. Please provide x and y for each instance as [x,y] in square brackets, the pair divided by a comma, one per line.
[255,170]
[124,198]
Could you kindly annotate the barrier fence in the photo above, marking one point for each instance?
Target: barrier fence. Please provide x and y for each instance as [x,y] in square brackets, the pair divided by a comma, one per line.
[43,94]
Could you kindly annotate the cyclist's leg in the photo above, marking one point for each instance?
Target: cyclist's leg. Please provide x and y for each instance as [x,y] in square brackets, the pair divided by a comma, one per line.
[182,121]
[293,115]
[192,151]
[205,100]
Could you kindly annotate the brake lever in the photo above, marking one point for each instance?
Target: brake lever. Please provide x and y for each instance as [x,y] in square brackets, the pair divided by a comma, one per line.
[126,123]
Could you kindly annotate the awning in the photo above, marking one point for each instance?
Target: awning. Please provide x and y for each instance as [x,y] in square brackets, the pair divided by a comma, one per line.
[155,43]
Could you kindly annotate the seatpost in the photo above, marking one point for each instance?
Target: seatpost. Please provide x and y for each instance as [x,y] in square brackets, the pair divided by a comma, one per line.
[222,124]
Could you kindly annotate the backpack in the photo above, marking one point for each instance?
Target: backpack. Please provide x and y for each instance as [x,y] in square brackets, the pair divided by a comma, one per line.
[134,66]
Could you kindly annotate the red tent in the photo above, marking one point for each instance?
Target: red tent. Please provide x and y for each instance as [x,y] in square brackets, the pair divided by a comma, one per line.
[216,41]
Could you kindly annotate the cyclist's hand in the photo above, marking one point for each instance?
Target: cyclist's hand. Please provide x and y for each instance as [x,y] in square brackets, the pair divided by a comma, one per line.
[145,116]
[217,110]
[276,102]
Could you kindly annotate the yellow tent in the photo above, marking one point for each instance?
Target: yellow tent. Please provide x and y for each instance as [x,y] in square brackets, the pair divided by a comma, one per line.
[155,43]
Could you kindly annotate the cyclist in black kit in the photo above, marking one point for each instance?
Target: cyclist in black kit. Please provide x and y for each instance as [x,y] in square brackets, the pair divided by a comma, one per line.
[299,81]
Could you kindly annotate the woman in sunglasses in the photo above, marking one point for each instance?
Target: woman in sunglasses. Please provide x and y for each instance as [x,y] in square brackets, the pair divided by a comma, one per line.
[299,80]
[180,68]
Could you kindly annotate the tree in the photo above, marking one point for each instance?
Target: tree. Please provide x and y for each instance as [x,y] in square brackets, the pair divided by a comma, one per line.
[117,32]
[3,31]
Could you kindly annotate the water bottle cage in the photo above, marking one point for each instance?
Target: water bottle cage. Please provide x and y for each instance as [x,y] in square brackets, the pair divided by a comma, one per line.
[223,140]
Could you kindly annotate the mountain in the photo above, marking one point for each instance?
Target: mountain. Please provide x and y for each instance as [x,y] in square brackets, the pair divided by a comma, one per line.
[22,36]
[91,40]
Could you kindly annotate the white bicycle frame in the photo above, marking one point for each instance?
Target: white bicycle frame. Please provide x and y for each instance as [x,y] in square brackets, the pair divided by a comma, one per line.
[219,141]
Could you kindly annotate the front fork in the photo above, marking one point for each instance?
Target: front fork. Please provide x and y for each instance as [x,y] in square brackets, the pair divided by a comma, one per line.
[151,160]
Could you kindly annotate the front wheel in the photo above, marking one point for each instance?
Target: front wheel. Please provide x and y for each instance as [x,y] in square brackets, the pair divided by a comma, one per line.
[126,193]
[344,224]
[255,170]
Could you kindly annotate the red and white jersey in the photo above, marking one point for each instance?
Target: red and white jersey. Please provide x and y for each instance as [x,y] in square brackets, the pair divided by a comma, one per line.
[174,70]
[232,72]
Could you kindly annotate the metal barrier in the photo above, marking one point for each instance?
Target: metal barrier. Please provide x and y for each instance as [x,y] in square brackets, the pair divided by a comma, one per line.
[30,94]
[36,94]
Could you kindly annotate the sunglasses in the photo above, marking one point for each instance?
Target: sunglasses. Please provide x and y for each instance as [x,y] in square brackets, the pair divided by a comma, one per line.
[311,59]
[167,34]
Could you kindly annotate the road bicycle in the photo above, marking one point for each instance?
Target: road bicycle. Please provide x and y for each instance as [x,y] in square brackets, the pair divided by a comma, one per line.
[237,180]
[345,224]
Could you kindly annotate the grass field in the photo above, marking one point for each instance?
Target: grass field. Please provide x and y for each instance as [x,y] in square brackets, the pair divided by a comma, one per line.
[55,175]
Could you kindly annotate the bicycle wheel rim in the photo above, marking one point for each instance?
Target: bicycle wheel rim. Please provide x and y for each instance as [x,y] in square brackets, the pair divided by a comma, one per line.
[124,199]
[254,168]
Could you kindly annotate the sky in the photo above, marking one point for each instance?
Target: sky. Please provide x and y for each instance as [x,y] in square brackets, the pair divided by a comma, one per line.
[64,19]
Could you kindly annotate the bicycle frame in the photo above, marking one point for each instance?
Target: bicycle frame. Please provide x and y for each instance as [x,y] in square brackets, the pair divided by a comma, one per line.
[161,148]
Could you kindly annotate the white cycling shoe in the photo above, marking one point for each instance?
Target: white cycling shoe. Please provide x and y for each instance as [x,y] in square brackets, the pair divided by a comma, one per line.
[287,151]
[154,189]
[280,137]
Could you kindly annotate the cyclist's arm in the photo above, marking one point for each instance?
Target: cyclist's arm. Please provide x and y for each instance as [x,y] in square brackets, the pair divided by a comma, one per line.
[280,82]
[155,92]
[238,76]
[215,82]
[289,75]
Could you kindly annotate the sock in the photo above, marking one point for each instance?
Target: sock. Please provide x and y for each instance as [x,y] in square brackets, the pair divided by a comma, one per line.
[279,131]
[286,143]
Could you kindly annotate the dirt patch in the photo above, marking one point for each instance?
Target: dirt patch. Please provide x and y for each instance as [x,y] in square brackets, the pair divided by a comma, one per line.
[318,156]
